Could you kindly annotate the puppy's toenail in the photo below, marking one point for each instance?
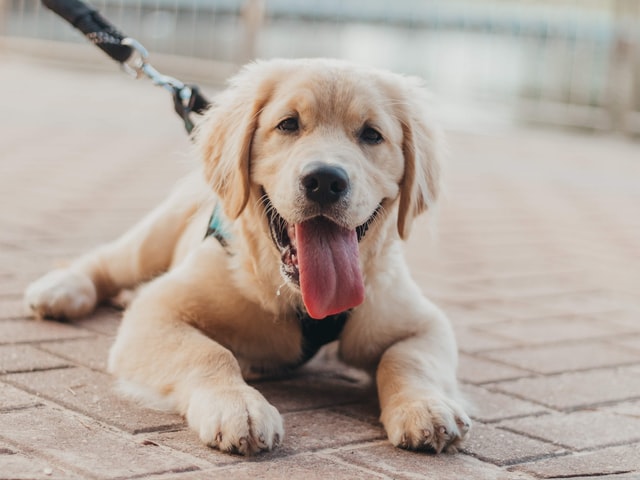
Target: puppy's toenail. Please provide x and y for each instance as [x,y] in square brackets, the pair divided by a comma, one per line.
[462,423]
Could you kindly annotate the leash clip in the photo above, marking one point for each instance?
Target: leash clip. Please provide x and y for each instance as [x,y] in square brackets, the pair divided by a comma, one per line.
[136,66]
[133,65]
[184,96]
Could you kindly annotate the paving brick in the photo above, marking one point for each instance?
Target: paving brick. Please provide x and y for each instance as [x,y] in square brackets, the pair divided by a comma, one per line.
[25,358]
[501,447]
[552,329]
[309,467]
[612,460]
[187,441]
[628,476]
[85,447]
[17,331]
[104,320]
[367,411]
[472,340]
[565,357]
[401,464]
[17,266]
[444,293]
[577,389]
[518,309]
[469,315]
[478,370]
[534,285]
[93,393]
[90,352]
[12,308]
[628,319]
[310,392]
[631,342]
[586,303]
[458,271]
[629,409]
[13,398]
[320,429]
[488,406]
[18,465]
[579,430]
[502,266]
[11,287]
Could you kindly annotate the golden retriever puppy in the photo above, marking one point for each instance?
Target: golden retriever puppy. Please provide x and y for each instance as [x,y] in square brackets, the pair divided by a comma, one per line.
[313,173]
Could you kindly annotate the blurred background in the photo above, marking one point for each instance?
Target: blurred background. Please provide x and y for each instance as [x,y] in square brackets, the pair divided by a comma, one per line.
[567,63]
[536,259]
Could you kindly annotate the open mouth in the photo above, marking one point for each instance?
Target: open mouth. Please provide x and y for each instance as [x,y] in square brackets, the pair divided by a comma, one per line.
[321,258]
[284,237]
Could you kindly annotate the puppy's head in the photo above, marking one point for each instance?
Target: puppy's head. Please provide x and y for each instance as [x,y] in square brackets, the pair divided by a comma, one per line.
[328,151]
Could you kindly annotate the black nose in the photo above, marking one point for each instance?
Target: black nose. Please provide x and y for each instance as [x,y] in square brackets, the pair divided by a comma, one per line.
[323,183]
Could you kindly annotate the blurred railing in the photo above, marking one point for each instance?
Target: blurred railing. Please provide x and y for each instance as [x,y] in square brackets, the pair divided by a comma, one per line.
[567,62]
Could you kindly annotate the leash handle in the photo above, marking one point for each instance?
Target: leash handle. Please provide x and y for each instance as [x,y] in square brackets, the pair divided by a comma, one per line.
[93,25]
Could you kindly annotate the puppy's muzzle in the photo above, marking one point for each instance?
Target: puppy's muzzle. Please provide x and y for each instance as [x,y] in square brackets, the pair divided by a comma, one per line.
[324,184]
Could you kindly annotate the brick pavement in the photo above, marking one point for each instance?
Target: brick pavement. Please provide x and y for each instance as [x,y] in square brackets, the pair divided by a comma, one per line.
[535,259]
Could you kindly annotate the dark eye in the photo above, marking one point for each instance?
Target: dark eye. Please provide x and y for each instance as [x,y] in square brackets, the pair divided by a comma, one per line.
[370,136]
[289,125]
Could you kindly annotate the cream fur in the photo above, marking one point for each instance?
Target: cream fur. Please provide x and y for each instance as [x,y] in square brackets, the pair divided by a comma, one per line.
[211,318]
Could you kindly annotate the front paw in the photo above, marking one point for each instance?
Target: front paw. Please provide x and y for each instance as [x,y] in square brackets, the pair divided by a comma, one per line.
[425,422]
[61,294]
[235,419]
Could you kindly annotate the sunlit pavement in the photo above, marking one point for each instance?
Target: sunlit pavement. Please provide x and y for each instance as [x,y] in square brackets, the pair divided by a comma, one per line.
[536,259]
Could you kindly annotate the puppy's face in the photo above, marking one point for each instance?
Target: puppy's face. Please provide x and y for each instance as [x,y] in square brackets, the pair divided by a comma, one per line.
[327,150]
[328,146]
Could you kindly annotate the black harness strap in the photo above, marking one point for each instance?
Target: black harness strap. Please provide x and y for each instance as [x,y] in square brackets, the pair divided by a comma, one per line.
[317,333]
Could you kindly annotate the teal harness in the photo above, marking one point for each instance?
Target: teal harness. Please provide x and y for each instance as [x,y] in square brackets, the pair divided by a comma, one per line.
[315,333]
[216,229]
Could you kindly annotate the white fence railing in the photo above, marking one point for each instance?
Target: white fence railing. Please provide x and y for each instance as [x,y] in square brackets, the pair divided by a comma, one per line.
[569,62]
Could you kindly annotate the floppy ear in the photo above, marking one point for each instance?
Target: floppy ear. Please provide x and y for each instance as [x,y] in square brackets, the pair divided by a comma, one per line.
[225,138]
[422,147]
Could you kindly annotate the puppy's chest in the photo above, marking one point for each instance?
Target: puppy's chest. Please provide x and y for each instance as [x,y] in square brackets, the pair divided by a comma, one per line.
[278,344]
[291,349]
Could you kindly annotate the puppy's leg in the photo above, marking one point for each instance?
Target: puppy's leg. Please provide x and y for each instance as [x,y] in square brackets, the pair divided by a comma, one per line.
[143,252]
[416,378]
[159,351]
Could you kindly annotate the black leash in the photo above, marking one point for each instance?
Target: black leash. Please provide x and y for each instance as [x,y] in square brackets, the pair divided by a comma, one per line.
[130,54]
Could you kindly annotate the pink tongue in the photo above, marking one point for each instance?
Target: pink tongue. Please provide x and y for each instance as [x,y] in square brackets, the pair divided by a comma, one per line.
[330,277]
